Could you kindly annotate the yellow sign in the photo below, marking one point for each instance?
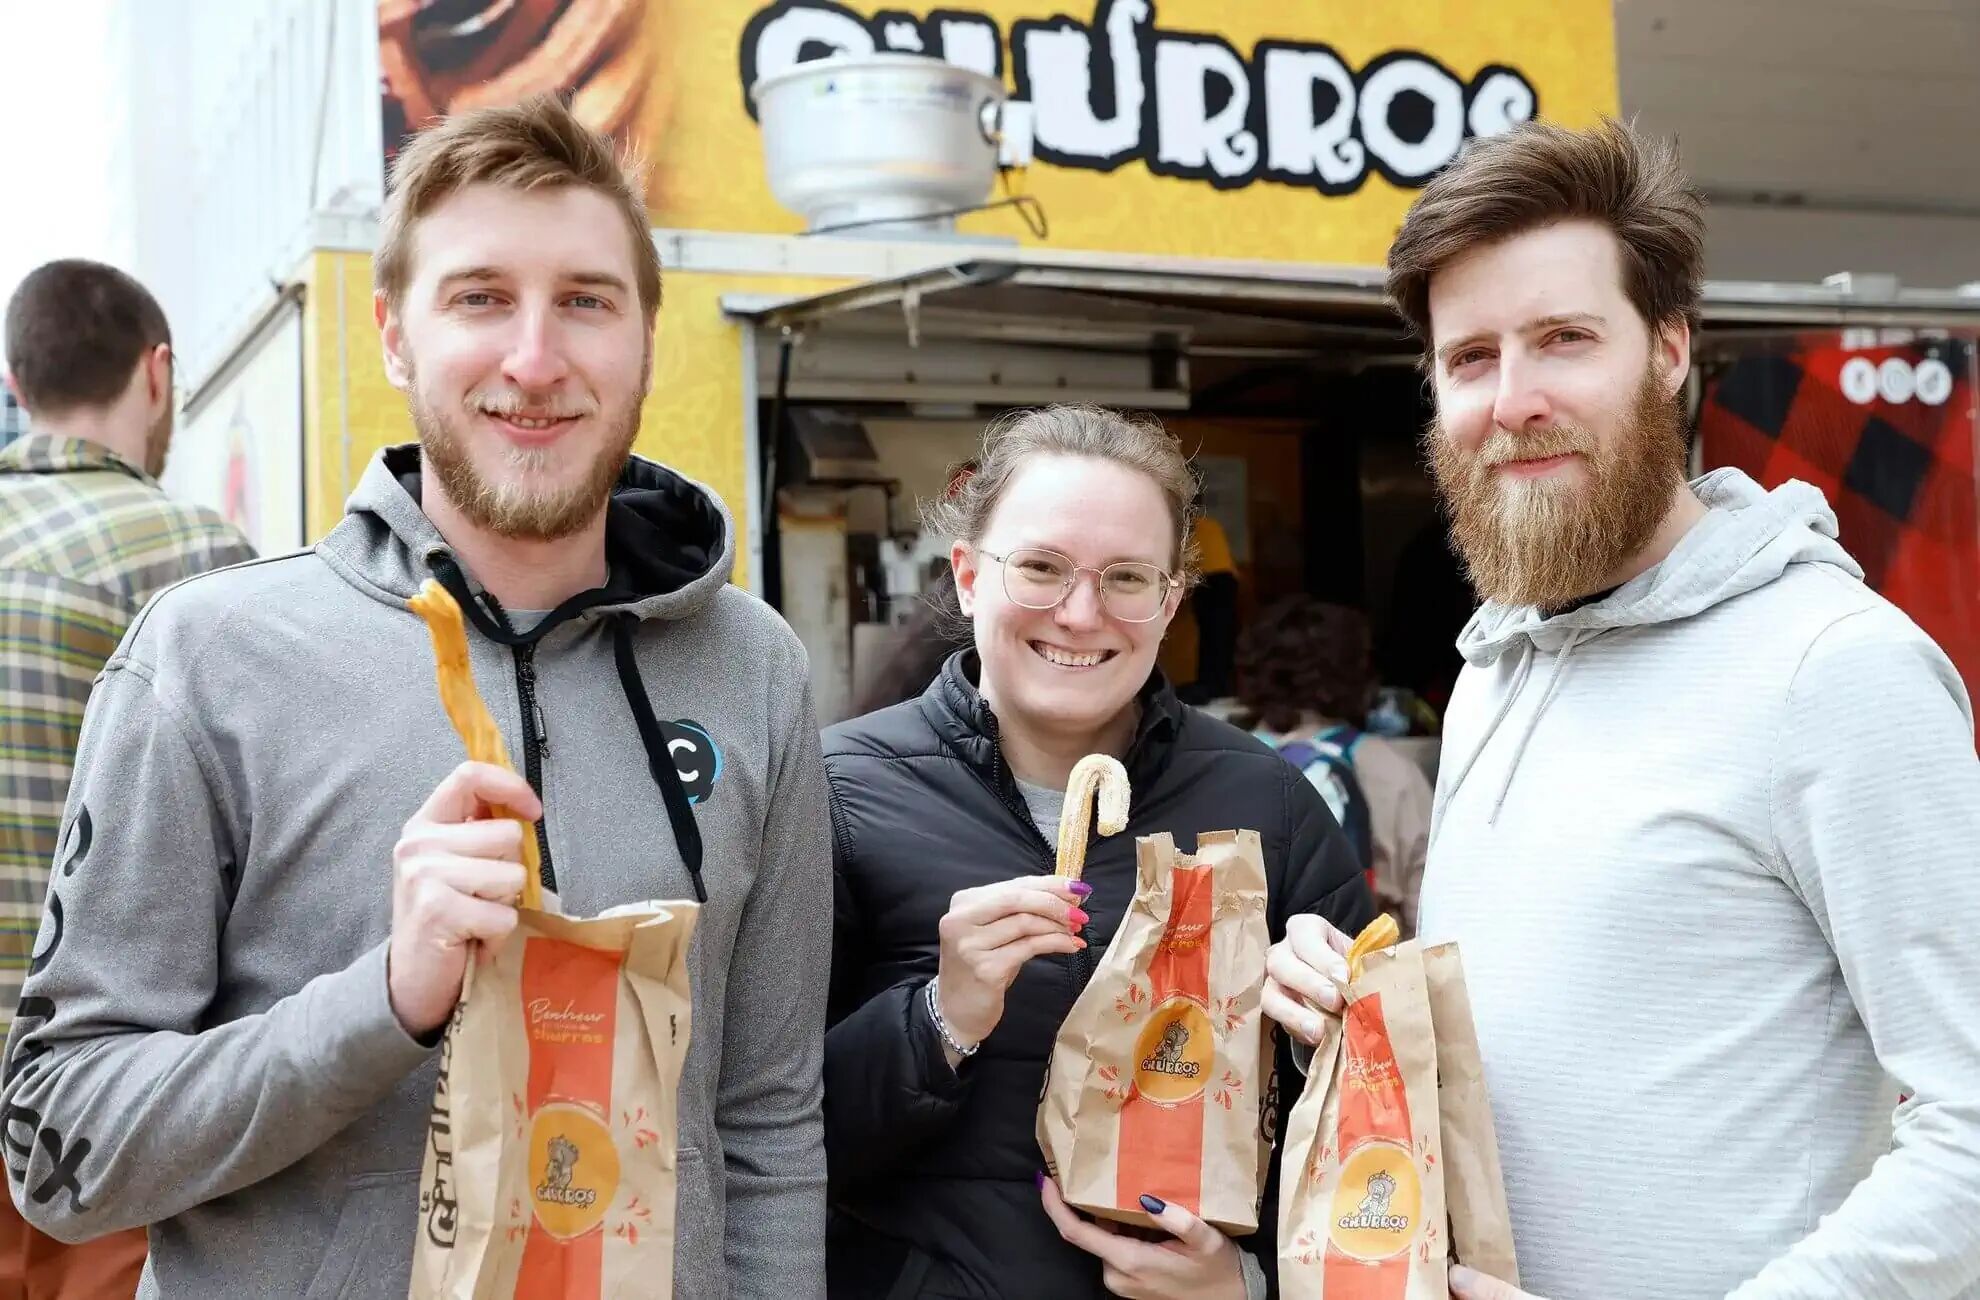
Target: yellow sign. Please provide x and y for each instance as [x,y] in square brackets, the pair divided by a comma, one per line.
[1256,129]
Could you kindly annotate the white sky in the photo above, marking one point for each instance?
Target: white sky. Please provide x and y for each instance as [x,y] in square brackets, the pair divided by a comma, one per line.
[55,126]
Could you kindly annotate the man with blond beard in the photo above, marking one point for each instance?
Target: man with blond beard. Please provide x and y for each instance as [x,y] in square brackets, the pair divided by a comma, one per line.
[1708,819]
[276,868]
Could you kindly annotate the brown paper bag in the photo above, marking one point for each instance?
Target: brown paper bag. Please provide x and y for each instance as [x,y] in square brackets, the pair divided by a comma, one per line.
[1474,1186]
[1361,1211]
[549,1167]
[1159,1072]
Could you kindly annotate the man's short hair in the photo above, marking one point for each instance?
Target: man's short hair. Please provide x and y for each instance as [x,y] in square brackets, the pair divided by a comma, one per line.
[536,144]
[76,331]
[1537,175]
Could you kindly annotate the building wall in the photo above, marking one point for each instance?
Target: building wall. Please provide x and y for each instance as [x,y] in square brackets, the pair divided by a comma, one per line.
[1830,130]
[235,125]
[1757,243]
[349,410]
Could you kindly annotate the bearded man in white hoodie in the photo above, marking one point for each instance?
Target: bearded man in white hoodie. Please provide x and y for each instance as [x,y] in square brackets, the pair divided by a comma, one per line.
[1707,828]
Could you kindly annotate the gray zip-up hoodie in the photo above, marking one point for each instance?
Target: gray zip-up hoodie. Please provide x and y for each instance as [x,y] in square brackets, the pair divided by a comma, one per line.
[204,1043]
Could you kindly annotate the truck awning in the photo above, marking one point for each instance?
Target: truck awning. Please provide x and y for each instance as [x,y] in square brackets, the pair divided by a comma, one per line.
[1202,308]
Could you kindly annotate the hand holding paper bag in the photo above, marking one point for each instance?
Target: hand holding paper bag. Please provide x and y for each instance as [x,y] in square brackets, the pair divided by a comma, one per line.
[1391,1163]
[1306,976]
[1160,1071]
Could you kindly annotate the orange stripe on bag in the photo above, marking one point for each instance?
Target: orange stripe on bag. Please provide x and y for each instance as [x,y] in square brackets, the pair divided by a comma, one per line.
[1161,1142]
[1379,1198]
[570,998]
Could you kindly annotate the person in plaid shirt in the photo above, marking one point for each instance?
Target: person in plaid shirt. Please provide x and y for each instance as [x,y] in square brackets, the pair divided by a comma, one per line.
[86,538]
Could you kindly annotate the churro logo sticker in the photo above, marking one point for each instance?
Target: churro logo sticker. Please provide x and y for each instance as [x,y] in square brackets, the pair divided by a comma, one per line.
[1173,1053]
[1377,1203]
[573,1169]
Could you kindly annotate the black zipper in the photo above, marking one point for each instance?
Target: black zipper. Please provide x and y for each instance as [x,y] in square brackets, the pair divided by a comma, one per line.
[536,743]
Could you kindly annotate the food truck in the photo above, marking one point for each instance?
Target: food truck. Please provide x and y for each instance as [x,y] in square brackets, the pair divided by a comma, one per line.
[883,227]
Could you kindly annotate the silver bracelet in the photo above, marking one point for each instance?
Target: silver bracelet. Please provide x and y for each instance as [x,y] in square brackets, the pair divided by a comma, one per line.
[942,1026]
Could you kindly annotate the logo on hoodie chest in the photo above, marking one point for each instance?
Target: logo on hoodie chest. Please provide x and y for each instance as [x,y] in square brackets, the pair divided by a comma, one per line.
[696,757]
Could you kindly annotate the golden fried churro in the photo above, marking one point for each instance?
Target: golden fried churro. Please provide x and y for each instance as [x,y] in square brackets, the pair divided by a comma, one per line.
[1096,774]
[469,714]
[1380,933]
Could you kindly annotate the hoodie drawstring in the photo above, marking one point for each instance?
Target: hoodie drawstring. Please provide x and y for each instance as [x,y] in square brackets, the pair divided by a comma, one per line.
[659,759]
[1526,737]
[1447,793]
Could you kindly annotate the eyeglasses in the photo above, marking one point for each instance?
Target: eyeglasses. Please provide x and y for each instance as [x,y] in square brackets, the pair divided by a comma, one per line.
[1130,591]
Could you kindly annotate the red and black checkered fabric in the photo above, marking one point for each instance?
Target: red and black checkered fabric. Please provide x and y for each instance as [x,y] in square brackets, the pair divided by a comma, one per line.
[1900,475]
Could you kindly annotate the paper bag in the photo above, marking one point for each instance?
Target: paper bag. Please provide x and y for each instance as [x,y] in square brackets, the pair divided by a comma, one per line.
[549,1167]
[1474,1187]
[1361,1213]
[1159,1072]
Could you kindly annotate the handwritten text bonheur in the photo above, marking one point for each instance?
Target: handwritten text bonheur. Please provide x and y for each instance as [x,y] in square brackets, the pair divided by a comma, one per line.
[566,1023]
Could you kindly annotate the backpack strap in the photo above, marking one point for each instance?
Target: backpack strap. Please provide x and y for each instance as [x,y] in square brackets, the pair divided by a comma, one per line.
[1343,738]
[1303,754]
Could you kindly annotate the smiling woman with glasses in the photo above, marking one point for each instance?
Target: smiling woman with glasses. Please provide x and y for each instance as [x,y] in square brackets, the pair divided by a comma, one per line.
[956,952]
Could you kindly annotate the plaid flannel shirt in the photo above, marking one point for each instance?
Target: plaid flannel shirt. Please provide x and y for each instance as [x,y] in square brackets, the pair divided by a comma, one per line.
[85,540]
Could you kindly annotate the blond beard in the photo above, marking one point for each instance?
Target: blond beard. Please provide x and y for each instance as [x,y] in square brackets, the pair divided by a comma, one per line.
[516,509]
[1548,542]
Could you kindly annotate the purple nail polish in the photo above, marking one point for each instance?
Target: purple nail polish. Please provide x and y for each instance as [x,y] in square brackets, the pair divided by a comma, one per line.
[1040,1177]
[1080,888]
[1153,1204]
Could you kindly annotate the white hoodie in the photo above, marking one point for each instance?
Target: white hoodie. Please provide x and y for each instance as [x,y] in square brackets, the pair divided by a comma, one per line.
[1711,847]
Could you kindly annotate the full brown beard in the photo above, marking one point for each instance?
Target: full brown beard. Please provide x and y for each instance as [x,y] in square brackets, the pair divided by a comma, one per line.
[1548,543]
[529,515]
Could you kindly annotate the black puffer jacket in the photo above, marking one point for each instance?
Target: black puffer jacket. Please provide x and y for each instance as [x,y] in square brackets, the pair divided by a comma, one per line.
[932,1170]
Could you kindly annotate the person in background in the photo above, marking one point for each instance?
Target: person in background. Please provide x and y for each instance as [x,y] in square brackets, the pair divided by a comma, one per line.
[1214,602]
[87,537]
[1303,686]
[957,953]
